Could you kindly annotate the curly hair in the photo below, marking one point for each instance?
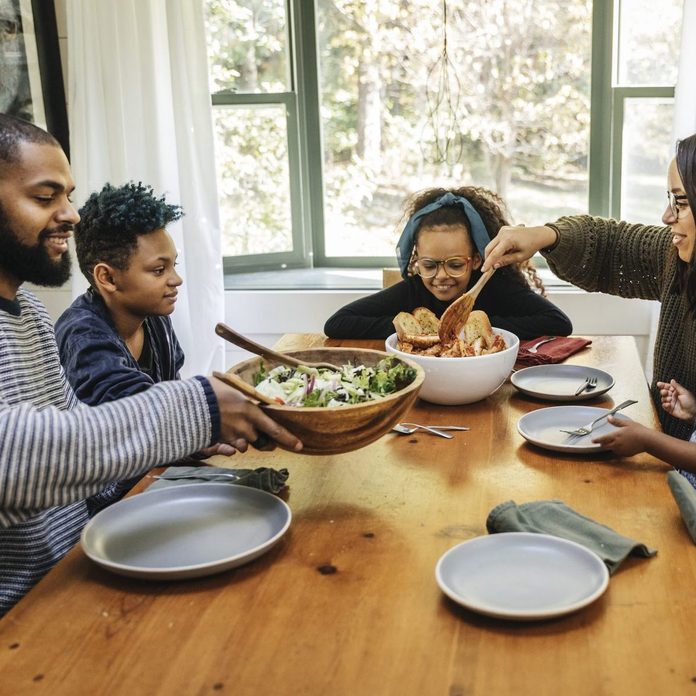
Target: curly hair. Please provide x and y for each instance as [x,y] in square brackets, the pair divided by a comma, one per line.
[111,222]
[490,206]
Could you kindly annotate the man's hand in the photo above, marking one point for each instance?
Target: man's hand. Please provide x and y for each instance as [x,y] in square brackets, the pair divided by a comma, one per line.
[242,422]
[225,448]
[516,244]
[678,401]
[630,437]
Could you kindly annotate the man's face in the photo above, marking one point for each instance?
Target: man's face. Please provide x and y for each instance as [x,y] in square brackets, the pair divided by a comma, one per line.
[36,217]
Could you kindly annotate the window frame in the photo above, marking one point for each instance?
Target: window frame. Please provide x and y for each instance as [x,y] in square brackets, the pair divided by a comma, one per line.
[305,150]
[607,109]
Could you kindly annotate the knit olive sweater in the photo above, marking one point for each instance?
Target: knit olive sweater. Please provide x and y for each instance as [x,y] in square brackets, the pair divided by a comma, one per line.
[631,260]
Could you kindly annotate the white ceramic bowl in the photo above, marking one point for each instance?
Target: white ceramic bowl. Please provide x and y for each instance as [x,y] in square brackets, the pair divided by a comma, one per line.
[452,381]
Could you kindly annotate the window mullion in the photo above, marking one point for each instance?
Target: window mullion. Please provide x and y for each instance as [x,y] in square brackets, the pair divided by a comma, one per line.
[306,81]
[600,107]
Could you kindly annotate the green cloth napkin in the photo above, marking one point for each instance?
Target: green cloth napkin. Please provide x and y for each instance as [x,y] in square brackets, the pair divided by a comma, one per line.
[265,478]
[685,495]
[556,518]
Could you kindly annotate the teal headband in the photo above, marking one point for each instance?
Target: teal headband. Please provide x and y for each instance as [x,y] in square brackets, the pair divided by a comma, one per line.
[479,234]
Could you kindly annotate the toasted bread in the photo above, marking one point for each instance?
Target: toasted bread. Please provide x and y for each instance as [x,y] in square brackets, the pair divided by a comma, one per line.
[429,323]
[406,325]
[423,340]
[418,334]
[478,326]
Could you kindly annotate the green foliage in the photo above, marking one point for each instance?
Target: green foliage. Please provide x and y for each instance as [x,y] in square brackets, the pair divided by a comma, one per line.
[246,45]
[511,100]
[253,179]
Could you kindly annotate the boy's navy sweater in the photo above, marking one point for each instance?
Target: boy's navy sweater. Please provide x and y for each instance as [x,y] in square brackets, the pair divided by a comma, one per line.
[96,360]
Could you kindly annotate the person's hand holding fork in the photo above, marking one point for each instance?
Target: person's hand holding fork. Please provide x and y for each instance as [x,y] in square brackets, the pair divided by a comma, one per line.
[628,439]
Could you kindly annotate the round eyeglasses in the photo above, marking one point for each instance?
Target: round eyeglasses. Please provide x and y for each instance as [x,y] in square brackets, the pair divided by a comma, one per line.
[677,202]
[454,266]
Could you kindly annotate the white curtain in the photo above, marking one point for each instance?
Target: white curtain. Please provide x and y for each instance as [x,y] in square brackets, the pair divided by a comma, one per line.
[685,92]
[140,110]
[684,124]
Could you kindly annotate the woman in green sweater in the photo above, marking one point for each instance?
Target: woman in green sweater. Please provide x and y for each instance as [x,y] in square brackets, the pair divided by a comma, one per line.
[629,260]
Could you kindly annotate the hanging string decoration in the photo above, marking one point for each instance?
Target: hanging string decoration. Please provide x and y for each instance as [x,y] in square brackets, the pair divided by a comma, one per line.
[441,138]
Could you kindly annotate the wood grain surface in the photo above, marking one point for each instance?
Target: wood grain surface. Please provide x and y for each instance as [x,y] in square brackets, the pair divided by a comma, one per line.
[347,603]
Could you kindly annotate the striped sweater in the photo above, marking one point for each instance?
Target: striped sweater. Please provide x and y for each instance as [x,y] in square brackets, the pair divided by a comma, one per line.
[56,452]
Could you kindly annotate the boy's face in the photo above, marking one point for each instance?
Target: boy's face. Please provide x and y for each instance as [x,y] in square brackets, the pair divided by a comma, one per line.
[148,287]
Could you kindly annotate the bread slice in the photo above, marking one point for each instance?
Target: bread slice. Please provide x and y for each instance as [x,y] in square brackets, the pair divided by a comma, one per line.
[406,325]
[429,323]
[423,340]
[478,326]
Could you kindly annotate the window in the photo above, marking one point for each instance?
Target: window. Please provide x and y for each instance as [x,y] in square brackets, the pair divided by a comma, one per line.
[328,114]
[645,72]
[256,134]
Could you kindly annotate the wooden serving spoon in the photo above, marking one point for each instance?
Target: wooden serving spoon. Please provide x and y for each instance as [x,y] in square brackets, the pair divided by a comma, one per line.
[455,316]
[240,385]
[247,344]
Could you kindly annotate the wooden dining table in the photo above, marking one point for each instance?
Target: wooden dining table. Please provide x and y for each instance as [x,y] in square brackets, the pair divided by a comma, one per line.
[347,602]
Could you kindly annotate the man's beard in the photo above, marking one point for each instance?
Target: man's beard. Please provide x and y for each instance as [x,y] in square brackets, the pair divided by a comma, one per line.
[32,263]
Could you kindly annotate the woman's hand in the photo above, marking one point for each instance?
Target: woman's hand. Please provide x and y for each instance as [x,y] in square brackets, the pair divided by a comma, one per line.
[678,401]
[628,439]
[516,244]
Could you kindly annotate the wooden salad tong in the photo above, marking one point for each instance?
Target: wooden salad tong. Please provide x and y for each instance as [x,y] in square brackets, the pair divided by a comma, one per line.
[247,344]
[455,316]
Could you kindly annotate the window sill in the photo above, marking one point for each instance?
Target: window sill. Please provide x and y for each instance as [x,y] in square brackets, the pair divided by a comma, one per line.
[340,279]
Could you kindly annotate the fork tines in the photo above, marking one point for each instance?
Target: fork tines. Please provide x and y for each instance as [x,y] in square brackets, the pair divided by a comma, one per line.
[588,384]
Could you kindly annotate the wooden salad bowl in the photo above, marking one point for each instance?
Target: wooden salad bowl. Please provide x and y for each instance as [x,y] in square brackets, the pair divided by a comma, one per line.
[342,428]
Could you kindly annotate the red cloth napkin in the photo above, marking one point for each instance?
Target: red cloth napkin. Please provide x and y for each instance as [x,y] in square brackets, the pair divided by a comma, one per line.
[554,351]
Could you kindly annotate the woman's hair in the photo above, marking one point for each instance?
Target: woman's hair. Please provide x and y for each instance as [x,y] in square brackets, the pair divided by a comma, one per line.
[489,206]
[686,166]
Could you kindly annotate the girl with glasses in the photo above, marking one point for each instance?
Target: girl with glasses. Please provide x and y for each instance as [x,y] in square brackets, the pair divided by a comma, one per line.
[650,262]
[440,252]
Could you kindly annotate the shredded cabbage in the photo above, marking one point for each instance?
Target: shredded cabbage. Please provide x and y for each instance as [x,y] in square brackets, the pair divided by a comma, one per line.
[309,386]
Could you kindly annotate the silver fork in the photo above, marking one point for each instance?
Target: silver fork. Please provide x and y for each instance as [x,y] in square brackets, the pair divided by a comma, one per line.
[410,428]
[535,347]
[589,384]
[587,429]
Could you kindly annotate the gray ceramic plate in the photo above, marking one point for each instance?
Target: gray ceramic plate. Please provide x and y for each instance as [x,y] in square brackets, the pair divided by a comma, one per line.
[542,428]
[185,531]
[560,382]
[521,576]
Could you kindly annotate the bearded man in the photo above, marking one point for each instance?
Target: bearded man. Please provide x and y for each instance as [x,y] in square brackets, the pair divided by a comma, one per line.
[56,452]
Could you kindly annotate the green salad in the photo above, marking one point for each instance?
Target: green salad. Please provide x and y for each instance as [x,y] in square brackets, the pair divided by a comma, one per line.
[309,386]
